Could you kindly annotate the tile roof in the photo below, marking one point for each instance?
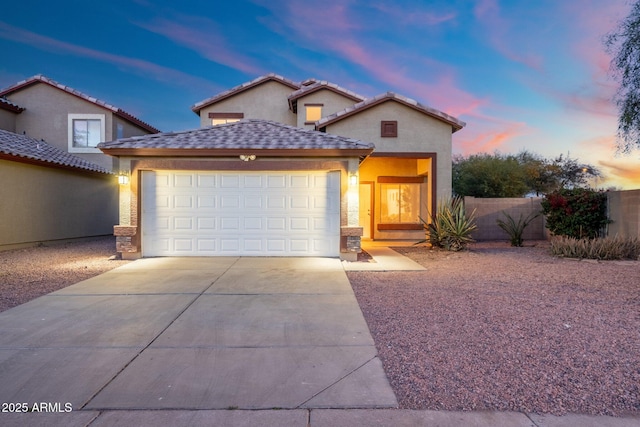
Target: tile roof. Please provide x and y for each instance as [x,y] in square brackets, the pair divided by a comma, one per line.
[319,85]
[43,79]
[244,86]
[390,96]
[5,104]
[249,134]
[22,146]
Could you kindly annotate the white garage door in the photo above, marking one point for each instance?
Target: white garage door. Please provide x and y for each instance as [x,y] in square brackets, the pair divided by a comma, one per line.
[191,213]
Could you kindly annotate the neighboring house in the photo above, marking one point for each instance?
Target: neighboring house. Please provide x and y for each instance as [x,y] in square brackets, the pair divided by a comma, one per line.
[285,168]
[66,118]
[48,194]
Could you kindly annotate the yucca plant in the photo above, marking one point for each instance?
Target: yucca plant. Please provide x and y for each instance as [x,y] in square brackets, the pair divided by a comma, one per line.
[450,228]
[515,229]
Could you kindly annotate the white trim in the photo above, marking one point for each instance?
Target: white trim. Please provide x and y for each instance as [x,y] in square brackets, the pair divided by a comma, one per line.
[71,118]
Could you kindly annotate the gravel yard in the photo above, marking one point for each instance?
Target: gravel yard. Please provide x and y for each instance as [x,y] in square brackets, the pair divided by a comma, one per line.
[491,328]
[28,273]
[508,329]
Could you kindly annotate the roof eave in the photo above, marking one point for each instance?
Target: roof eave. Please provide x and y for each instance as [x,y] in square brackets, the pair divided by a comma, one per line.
[215,99]
[50,164]
[235,152]
[455,125]
[117,111]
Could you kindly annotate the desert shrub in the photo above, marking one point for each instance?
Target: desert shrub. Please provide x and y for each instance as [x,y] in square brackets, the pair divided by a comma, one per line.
[606,248]
[576,212]
[514,228]
[450,228]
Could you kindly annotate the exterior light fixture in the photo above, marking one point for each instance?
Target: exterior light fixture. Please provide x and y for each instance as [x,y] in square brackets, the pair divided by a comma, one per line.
[247,157]
[353,179]
[123,178]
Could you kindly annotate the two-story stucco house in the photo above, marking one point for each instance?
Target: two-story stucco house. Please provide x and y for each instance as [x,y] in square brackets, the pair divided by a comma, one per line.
[66,118]
[285,168]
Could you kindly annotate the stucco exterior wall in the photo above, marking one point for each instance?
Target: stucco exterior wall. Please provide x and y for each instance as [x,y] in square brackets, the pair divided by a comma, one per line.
[488,210]
[332,103]
[624,211]
[46,117]
[417,133]
[43,204]
[7,120]
[266,101]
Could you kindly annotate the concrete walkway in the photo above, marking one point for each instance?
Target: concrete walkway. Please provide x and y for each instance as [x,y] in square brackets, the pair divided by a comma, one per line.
[210,341]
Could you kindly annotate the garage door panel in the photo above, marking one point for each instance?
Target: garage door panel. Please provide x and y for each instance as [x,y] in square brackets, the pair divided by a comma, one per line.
[301,181]
[183,201]
[240,213]
[229,202]
[183,180]
[276,181]
[207,180]
[253,201]
[299,224]
[227,223]
[207,201]
[183,223]
[299,202]
[230,181]
[253,181]
[276,202]
[206,223]
[252,223]
[206,245]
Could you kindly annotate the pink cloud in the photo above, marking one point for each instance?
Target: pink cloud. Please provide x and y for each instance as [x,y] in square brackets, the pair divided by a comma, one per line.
[414,16]
[202,36]
[487,137]
[147,68]
[339,35]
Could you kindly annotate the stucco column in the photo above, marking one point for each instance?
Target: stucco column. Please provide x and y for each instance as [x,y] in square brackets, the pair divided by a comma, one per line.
[125,231]
[351,233]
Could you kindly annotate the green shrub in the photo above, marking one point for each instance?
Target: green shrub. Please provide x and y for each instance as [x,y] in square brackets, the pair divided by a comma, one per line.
[577,212]
[514,228]
[606,248]
[450,227]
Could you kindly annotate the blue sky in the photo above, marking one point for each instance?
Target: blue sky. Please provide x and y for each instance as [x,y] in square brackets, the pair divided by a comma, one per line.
[522,74]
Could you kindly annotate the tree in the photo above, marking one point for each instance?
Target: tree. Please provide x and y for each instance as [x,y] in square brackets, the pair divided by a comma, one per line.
[499,175]
[488,175]
[624,45]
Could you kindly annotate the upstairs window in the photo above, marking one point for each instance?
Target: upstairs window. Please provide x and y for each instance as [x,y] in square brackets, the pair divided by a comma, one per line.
[86,131]
[223,118]
[313,113]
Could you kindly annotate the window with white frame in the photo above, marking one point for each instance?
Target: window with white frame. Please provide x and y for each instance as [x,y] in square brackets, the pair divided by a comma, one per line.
[86,131]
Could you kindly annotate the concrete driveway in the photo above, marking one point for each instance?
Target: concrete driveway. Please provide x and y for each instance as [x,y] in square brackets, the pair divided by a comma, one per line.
[196,333]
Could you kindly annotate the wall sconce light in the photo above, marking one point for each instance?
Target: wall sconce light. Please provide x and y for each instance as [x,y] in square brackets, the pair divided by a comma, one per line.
[353,179]
[123,178]
[247,157]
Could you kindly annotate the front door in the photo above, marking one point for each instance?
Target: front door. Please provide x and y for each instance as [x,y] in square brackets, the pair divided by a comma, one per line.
[366,209]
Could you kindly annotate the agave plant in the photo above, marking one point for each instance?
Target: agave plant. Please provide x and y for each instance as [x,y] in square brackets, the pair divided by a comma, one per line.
[514,228]
[450,227]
